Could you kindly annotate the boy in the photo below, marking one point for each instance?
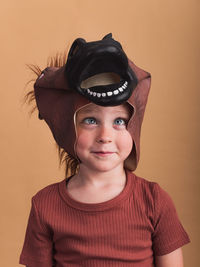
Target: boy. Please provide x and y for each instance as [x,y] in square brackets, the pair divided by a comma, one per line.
[103,214]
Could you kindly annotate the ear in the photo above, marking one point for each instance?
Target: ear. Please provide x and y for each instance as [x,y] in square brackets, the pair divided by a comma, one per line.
[107,36]
[77,44]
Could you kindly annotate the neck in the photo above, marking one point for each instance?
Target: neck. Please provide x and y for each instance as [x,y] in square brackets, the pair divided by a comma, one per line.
[90,177]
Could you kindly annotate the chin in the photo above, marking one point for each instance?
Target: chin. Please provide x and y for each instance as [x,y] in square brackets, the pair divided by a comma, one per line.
[104,167]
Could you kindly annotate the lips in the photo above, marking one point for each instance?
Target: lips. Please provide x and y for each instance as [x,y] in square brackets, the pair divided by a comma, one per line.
[103,153]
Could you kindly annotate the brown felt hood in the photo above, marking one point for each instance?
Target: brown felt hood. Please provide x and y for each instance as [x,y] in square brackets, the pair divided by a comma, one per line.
[57,104]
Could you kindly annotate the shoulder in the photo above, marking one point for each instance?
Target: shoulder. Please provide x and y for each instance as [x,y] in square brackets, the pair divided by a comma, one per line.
[150,189]
[168,233]
[145,188]
[151,195]
[49,189]
[47,195]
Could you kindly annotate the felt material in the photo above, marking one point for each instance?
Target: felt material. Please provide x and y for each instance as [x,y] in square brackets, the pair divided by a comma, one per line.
[57,103]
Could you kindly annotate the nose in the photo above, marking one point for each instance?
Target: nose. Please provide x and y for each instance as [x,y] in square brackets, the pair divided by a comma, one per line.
[104,135]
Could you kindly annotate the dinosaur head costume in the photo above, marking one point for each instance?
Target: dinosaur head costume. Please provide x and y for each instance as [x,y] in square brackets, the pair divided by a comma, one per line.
[60,92]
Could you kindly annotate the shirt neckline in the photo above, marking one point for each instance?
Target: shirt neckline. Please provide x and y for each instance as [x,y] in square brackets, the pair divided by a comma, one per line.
[124,194]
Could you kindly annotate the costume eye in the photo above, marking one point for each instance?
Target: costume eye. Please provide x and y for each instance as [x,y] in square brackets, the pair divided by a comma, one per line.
[90,121]
[120,121]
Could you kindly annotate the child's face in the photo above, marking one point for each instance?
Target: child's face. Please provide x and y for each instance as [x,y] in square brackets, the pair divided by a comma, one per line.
[103,142]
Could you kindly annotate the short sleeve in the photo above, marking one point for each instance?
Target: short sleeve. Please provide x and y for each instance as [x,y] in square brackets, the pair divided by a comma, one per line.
[169,233]
[37,249]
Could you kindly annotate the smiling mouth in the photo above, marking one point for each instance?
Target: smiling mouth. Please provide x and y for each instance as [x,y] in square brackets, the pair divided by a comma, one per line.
[103,153]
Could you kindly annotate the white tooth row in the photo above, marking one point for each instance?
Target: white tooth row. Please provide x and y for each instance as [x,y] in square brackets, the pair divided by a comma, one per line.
[115,92]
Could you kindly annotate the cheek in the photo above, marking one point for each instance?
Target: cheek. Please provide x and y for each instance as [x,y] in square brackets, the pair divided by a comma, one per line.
[82,141]
[126,142]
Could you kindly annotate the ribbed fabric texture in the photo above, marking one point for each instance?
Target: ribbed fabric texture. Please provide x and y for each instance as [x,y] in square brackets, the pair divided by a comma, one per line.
[128,230]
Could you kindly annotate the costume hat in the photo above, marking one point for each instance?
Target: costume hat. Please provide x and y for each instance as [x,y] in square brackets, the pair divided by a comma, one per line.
[60,92]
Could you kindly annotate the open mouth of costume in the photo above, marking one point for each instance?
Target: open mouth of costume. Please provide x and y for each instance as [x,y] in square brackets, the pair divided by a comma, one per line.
[100,71]
[112,91]
[103,85]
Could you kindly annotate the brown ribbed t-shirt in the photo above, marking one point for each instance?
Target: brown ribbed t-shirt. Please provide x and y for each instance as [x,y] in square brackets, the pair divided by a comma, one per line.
[128,230]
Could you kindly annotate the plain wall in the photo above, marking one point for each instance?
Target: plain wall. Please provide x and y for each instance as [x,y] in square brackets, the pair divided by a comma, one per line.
[161,37]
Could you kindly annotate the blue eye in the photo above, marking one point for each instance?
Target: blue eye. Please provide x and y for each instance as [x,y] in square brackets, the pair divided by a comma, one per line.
[120,121]
[90,121]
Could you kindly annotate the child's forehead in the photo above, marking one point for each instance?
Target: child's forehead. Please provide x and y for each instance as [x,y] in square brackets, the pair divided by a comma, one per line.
[93,108]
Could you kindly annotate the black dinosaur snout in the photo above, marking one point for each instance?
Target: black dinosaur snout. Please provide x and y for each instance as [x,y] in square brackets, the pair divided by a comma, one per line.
[100,71]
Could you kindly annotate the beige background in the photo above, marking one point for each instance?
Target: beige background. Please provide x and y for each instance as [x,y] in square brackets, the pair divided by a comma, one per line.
[161,36]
